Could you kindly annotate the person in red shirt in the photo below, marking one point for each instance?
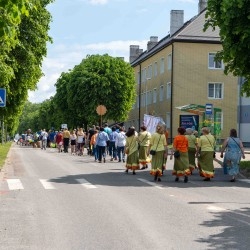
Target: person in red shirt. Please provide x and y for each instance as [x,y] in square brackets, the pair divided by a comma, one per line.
[59,141]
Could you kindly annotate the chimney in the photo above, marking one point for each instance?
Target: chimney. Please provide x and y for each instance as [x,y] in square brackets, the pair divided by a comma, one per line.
[134,52]
[176,20]
[202,5]
[153,41]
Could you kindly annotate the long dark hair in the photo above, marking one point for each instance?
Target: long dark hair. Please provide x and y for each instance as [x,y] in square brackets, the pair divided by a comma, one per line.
[233,132]
[131,132]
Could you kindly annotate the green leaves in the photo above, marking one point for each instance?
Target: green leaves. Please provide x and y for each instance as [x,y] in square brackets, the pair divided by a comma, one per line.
[232,17]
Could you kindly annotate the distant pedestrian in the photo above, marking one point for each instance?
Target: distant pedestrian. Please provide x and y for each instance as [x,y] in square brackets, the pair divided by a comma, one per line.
[73,138]
[131,149]
[44,136]
[120,145]
[101,142]
[143,141]
[192,148]
[66,136]
[234,151]
[59,141]
[112,147]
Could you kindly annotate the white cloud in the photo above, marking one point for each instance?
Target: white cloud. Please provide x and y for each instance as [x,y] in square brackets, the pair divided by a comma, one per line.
[65,57]
[96,2]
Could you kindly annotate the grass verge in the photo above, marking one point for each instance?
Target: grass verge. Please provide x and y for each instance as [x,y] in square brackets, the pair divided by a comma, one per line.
[245,165]
[4,149]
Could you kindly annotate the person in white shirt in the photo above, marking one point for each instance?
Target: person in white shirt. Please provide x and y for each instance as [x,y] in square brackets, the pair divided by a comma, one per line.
[120,145]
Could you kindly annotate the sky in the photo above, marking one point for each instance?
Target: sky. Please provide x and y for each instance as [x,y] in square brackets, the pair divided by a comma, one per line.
[86,27]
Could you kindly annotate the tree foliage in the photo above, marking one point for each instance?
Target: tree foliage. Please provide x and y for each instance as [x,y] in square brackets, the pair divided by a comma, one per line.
[20,64]
[233,19]
[97,80]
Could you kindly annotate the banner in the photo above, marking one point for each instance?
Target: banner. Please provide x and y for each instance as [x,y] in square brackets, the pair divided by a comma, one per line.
[151,122]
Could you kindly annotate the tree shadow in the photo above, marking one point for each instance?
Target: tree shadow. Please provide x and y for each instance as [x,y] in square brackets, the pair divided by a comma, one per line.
[234,233]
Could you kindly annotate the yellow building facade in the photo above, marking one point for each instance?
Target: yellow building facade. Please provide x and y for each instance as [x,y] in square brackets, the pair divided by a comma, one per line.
[179,75]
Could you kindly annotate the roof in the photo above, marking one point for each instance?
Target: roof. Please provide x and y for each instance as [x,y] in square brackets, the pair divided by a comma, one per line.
[191,31]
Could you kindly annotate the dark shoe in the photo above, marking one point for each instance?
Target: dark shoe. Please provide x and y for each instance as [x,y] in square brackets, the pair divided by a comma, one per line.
[104,160]
[159,179]
[119,161]
[155,177]
[146,165]
[143,168]
[176,179]
[99,161]
[233,179]
[123,160]
[185,179]
[126,171]
[207,179]
[133,172]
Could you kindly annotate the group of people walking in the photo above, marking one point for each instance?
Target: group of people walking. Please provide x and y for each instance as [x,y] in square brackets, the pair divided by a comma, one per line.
[189,151]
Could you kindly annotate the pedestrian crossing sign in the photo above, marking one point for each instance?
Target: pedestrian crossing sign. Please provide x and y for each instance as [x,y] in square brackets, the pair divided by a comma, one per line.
[2,97]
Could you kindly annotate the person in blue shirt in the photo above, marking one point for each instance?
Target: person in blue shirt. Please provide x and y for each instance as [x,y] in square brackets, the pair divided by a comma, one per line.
[101,142]
[112,147]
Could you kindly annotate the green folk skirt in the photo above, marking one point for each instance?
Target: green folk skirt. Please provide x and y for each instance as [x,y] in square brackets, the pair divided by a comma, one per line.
[133,161]
[181,165]
[158,163]
[206,164]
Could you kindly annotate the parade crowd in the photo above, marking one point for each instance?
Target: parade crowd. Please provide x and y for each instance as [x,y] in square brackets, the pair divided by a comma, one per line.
[138,149]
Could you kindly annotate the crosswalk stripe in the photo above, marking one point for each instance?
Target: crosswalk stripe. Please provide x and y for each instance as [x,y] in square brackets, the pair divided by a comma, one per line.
[14,184]
[46,184]
[86,184]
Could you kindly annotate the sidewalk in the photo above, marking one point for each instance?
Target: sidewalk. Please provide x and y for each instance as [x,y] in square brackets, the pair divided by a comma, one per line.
[247,158]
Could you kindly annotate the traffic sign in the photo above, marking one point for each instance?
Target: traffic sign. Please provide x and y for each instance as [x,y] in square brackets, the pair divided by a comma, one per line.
[209,109]
[2,97]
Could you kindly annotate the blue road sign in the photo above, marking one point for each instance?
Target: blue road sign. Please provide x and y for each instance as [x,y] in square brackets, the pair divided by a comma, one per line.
[2,97]
[209,109]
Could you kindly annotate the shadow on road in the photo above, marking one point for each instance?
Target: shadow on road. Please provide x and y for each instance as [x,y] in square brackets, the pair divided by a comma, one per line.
[234,227]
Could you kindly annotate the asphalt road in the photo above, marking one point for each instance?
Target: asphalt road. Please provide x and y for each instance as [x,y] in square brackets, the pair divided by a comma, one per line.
[51,201]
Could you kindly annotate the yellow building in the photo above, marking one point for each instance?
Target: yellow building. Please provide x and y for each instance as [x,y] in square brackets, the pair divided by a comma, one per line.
[178,76]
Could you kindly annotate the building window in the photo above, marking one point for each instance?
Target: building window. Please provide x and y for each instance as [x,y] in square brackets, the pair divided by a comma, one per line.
[161,93]
[155,69]
[219,119]
[169,61]
[162,66]
[212,64]
[150,69]
[215,91]
[168,94]
[155,96]
[149,97]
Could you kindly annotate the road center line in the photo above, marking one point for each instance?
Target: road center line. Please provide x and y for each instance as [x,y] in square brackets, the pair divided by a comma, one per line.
[150,183]
[46,184]
[14,184]
[86,184]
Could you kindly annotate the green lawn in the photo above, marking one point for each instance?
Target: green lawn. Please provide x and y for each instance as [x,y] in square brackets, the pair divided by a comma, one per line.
[4,149]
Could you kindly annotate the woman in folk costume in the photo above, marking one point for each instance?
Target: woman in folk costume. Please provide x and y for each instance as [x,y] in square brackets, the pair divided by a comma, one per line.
[143,140]
[181,163]
[158,143]
[131,149]
[234,152]
[205,153]
[191,148]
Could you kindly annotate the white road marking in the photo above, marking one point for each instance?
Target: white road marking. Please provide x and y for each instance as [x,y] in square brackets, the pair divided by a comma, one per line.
[86,184]
[150,183]
[46,184]
[14,184]
[215,209]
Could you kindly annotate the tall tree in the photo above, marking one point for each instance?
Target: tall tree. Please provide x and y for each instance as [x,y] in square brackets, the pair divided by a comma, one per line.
[99,80]
[233,19]
[25,61]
